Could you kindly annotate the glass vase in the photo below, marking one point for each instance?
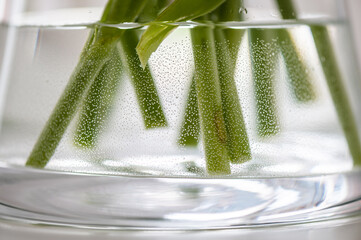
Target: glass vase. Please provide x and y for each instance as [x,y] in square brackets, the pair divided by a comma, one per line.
[247,114]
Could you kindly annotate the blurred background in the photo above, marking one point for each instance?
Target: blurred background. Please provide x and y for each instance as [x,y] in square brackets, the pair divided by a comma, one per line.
[354,9]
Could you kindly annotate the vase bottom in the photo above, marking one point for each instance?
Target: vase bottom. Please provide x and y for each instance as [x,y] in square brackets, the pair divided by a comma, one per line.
[156,203]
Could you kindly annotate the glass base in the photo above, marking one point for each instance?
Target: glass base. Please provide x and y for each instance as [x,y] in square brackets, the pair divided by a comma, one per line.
[346,229]
[155,203]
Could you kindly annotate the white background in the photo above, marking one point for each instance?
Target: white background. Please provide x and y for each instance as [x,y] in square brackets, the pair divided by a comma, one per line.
[354,11]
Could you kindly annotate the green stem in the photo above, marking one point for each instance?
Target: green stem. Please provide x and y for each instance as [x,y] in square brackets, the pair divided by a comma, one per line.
[98,102]
[228,42]
[84,73]
[263,56]
[94,55]
[229,11]
[334,80]
[237,140]
[152,10]
[227,46]
[117,11]
[338,92]
[287,9]
[99,98]
[234,38]
[143,83]
[209,101]
[300,82]
[190,130]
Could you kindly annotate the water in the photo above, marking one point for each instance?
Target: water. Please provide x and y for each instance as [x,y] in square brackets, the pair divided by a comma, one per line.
[300,168]
[309,139]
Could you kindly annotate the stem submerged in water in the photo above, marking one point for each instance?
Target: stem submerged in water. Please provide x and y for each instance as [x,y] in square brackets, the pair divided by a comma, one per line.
[227,42]
[213,106]
[237,139]
[334,80]
[227,46]
[83,75]
[190,130]
[263,56]
[209,101]
[302,88]
[95,54]
[98,102]
[103,90]
[337,90]
[143,83]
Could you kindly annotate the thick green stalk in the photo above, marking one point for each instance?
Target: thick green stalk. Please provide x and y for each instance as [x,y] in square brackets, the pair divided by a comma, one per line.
[98,102]
[229,11]
[117,11]
[227,47]
[234,38]
[209,101]
[237,139]
[143,83]
[334,80]
[86,70]
[94,55]
[190,130]
[263,56]
[287,9]
[228,42]
[99,97]
[301,85]
[337,89]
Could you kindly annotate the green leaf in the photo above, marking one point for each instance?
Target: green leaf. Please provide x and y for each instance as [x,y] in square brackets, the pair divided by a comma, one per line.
[178,11]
